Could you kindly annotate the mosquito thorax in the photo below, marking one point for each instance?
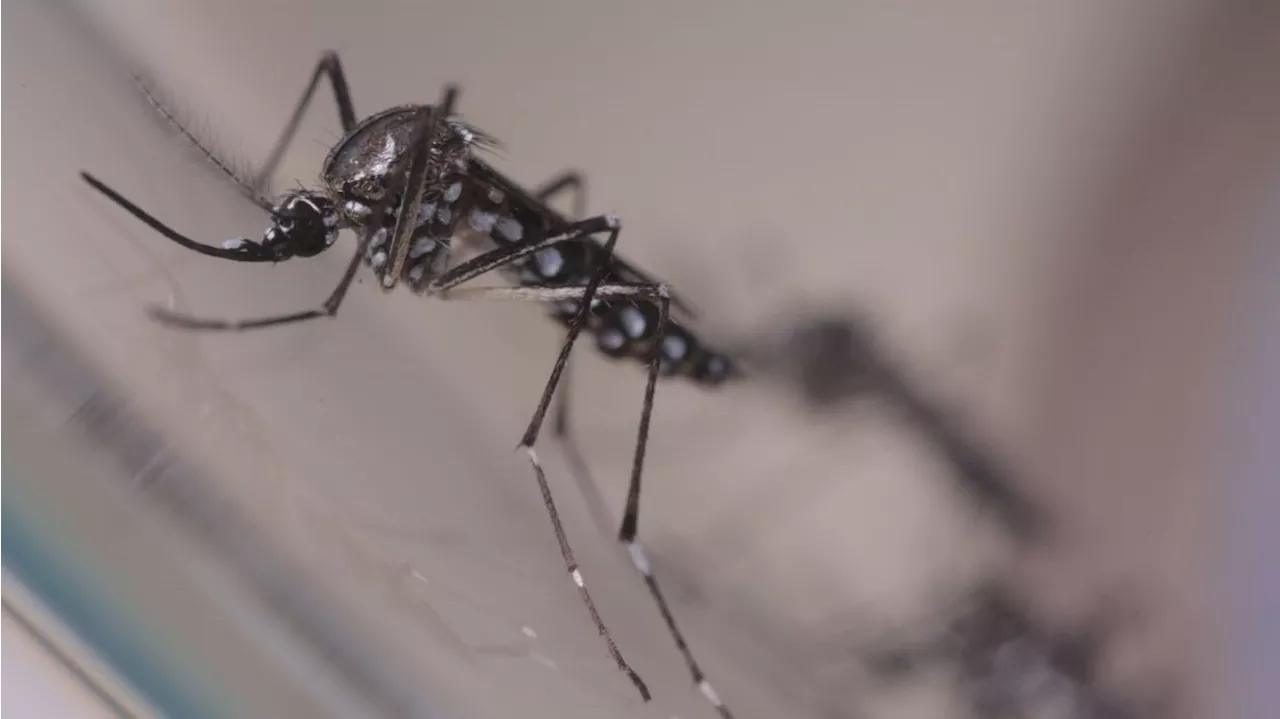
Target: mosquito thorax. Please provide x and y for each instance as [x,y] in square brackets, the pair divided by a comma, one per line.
[306,224]
[361,165]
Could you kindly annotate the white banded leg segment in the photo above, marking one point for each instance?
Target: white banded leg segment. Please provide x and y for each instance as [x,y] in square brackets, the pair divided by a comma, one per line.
[571,565]
[641,562]
[709,692]
[639,559]
[555,294]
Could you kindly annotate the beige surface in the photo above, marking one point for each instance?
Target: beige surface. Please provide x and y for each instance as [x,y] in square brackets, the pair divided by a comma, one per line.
[940,169]
[39,684]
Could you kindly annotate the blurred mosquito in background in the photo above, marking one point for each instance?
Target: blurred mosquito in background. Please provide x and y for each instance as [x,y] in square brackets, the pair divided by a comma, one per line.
[1011,664]
[833,358]
[409,182]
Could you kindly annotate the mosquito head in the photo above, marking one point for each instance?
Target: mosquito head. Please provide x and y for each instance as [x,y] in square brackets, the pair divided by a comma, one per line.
[306,224]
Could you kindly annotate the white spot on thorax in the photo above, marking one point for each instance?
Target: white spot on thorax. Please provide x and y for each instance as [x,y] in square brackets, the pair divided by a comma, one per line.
[383,158]
[452,194]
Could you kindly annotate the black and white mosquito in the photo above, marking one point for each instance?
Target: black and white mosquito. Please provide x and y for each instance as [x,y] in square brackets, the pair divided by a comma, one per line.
[409,182]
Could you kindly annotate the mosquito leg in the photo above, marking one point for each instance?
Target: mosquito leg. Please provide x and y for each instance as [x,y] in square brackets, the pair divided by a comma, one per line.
[599,510]
[627,534]
[560,427]
[329,65]
[328,309]
[631,516]
[569,181]
[531,437]
[562,431]
[576,183]
[415,185]
[538,293]
[507,254]
[630,522]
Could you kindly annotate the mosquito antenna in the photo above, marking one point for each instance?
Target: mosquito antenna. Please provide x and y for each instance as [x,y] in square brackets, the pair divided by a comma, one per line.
[152,97]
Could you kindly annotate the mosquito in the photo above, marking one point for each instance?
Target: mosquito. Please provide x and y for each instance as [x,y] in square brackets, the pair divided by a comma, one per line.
[409,182]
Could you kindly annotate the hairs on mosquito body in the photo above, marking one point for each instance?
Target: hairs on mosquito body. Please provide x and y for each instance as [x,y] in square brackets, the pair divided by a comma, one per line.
[199,136]
[482,140]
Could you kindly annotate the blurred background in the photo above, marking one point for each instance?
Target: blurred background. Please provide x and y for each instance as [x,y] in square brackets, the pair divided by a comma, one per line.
[1057,224]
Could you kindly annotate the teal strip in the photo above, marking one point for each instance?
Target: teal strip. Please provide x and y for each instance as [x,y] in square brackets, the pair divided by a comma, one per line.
[79,596]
